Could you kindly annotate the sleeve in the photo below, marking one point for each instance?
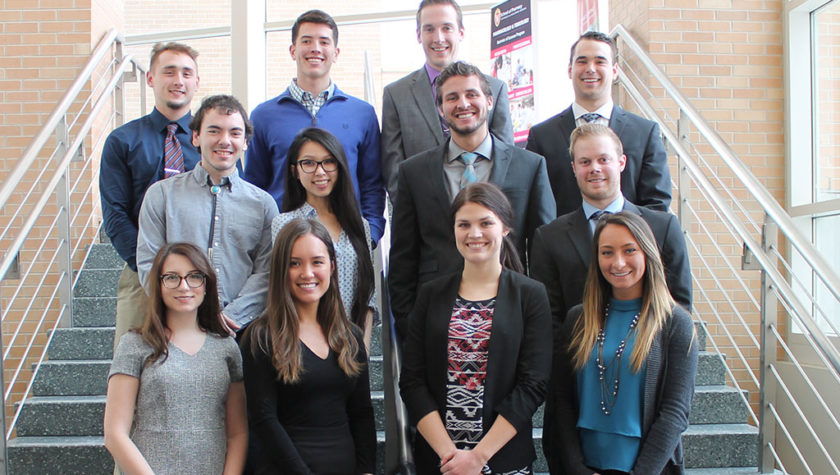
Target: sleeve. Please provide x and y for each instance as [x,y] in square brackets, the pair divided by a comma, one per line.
[414,387]
[405,256]
[533,144]
[654,186]
[234,360]
[258,169]
[564,434]
[533,364]
[360,415]
[278,223]
[369,174]
[152,234]
[501,126]
[544,269]
[392,144]
[250,302]
[262,397]
[116,191]
[677,264]
[541,207]
[130,356]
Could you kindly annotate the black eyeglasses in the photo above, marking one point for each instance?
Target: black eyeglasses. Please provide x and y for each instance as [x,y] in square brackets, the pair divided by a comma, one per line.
[173,281]
[309,166]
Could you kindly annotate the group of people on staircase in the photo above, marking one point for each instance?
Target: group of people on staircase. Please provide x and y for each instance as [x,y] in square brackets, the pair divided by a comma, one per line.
[516,276]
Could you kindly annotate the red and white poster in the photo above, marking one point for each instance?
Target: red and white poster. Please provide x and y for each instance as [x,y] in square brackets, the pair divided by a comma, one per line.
[513,62]
[587,16]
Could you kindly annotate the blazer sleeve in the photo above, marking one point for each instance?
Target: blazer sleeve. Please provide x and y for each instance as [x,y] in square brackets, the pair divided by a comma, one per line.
[676,389]
[501,125]
[544,269]
[405,255]
[541,206]
[360,415]
[414,386]
[677,264]
[533,364]
[654,187]
[392,143]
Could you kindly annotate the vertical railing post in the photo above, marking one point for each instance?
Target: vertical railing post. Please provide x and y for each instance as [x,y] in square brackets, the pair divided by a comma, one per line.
[683,179]
[4,466]
[119,91]
[64,233]
[767,391]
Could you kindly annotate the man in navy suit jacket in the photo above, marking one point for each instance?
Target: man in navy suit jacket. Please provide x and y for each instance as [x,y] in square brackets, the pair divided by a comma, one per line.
[422,235]
[646,180]
[561,251]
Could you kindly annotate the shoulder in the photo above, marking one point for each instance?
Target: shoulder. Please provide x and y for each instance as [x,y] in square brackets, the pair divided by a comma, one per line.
[438,284]
[132,347]
[283,219]
[548,125]
[404,82]
[257,193]
[680,321]
[557,225]
[494,82]
[423,158]
[353,102]
[526,156]
[633,119]
[267,107]
[655,216]
[133,340]
[226,343]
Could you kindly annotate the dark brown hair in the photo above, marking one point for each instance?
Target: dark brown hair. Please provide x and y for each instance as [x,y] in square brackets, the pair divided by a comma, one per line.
[159,48]
[427,3]
[594,36]
[460,68]
[226,105]
[315,16]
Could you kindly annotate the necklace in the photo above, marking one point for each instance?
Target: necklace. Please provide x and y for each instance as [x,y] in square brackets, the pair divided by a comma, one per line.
[611,370]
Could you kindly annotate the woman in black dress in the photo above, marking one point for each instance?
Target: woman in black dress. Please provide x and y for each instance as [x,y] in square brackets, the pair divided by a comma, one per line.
[306,375]
[478,352]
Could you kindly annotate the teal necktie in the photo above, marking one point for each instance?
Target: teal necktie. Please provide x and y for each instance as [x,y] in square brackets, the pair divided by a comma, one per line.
[469,175]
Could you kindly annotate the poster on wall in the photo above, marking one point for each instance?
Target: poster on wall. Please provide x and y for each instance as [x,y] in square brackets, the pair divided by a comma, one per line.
[512,54]
[587,16]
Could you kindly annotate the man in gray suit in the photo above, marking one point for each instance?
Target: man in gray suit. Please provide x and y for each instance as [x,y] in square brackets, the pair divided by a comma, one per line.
[422,236]
[409,103]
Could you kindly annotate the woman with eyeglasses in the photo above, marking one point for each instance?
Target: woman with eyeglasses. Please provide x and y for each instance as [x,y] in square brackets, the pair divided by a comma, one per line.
[306,371]
[178,378]
[319,186]
[626,361]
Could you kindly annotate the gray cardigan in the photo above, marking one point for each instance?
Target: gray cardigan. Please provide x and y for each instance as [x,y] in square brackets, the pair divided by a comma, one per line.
[669,387]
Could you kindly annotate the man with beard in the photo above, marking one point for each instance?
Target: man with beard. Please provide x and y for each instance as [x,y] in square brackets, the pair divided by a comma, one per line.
[422,238]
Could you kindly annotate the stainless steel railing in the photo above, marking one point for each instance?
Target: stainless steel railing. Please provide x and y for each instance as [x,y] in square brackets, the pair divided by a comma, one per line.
[755,276]
[51,216]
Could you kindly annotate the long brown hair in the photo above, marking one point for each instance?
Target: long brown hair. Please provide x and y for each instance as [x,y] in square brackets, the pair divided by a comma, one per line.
[276,331]
[656,299]
[153,330]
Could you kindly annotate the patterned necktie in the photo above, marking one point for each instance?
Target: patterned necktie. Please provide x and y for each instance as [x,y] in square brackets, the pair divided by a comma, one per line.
[173,156]
[590,117]
[598,215]
[469,171]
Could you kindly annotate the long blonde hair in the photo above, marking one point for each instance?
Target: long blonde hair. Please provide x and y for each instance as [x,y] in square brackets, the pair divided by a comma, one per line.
[657,302]
[275,332]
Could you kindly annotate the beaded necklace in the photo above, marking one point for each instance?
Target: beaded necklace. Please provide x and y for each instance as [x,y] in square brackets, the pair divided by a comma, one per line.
[613,368]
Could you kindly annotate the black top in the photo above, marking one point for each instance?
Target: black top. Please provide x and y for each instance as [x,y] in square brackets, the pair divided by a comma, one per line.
[322,424]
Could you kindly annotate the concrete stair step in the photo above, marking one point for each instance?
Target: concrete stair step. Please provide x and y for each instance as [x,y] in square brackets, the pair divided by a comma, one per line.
[377,377]
[720,446]
[711,369]
[717,405]
[726,471]
[376,340]
[97,283]
[85,343]
[94,311]
[104,256]
[700,329]
[72,378]
[62,416]
[64,455]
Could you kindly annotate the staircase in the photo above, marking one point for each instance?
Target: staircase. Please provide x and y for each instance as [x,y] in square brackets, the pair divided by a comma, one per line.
[60,427]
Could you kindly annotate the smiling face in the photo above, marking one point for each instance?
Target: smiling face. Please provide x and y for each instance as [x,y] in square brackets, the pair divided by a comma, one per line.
[310,270]
[439,34]
[592,72]
[182,299]
[174,80]
[465,106]
[621,261]
[320,183]
[479,233]
[221,141]
[597,168]
[314,51]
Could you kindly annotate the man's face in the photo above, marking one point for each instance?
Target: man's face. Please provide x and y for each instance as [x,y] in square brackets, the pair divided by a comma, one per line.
[598,168]
[440,35]
[465,105]
[174,80]
[592,72]
[314,50]
[221,141]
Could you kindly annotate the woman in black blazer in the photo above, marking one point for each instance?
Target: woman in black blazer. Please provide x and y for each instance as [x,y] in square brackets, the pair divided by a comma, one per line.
[478,352]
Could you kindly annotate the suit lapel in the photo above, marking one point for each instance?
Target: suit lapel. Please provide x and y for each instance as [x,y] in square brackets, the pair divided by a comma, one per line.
[617,120]
[581,236]
[422,92]
[567,125]
[438,191]
[501,161]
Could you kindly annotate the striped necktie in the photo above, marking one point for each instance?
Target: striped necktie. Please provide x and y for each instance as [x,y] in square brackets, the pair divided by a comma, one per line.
[173,156]
[469,175]
[598,215]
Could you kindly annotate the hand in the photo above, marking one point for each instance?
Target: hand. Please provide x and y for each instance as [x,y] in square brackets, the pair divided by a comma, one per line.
[230,325]
[463,462]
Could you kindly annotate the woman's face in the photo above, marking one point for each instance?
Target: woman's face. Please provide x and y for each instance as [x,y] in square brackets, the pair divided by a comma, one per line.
[622,262]
[182,298]
[309,270]
[312,166]
[478,233]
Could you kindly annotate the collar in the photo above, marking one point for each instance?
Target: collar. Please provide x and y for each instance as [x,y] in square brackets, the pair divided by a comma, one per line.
[615,207]
[298,93]
[308,210]
[159,121]
[431,72]
[485,149]
[202,178]
[604,111]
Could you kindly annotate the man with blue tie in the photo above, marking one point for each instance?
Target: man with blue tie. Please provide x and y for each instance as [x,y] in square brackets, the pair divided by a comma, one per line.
[422,237]
[138,154]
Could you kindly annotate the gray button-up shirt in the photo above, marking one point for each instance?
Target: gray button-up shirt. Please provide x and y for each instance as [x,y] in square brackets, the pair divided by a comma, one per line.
[180,208]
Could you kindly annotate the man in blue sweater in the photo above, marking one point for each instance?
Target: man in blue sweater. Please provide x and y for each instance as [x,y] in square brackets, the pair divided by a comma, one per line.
[312,99]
